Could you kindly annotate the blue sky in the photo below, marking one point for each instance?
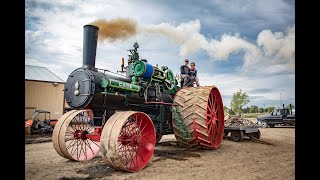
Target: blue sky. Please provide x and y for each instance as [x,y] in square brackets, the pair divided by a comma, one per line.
[236,44]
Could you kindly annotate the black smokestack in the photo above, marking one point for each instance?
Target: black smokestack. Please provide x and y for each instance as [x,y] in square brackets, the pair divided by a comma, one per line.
[90,37]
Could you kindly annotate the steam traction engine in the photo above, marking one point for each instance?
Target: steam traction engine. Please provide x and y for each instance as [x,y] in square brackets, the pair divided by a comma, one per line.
[124,116]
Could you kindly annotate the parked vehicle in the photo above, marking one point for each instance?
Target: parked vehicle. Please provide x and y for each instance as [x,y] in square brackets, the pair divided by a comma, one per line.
[40,127]
[279,116]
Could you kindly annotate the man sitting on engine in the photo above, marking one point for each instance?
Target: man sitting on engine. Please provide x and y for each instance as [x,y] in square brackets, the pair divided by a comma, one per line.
[184,73]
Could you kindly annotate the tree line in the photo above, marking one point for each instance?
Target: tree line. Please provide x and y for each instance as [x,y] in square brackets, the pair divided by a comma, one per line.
[238,102]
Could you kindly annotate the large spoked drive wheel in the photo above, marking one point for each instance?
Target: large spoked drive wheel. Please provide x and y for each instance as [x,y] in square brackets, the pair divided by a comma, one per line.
[128,140]
[74,136]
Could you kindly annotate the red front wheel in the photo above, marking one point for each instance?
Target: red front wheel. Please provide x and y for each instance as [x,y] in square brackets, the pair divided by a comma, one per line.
[128,140]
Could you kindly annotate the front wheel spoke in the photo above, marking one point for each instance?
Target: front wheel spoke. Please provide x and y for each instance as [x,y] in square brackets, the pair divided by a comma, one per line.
[132,159]
[78,121]
[124,154]
[72,142]
[69,131]
[71,125]
[75,121]
[138,153]
[95,143]
[81,142]
[82,122]
[128,155]
[143,128]
[89,129]
[143,135]
[123,148]
[120,147]
[139,126]
[72,152]
[136,159]
[77,149]
[88,144]
[69,134]
[81,148]
[69,138]
[84,148]
[130,130]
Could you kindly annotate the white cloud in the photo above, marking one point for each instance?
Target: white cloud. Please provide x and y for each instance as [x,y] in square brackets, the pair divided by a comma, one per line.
[278,43]
[232,44]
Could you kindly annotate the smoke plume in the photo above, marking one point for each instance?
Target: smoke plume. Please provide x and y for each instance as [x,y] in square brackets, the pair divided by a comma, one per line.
[190,40]
[120,28]
[188,37]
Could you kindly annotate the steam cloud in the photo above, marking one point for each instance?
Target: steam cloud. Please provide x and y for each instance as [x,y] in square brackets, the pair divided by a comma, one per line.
[121,28]
[188,37]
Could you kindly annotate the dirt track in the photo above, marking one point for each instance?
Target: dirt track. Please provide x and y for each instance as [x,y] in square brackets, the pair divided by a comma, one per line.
[233,160]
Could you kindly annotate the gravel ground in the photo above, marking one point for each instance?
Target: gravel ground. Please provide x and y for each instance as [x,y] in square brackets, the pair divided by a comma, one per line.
[233,160]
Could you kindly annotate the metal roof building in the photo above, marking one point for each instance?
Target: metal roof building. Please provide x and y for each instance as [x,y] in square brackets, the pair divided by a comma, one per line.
[43,91]
[38,73]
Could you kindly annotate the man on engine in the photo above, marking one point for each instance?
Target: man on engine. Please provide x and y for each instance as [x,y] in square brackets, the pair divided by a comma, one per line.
[184,73]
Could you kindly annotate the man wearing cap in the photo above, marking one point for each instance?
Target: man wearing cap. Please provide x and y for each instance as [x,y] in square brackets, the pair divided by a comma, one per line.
[184,73]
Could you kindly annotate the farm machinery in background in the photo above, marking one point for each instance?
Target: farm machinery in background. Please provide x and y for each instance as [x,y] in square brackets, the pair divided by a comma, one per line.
[124,116]
[35,126]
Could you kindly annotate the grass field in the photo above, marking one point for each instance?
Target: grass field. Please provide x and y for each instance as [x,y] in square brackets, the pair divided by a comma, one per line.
[251,115]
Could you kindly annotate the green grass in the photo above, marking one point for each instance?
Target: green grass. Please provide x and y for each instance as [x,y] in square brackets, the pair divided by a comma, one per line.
[251,115]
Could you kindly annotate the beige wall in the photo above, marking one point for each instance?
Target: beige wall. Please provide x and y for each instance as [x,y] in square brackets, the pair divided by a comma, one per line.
[44,96]
[28,111]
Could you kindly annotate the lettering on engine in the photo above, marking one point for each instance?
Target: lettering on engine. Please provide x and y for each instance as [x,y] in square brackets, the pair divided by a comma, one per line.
[125,85]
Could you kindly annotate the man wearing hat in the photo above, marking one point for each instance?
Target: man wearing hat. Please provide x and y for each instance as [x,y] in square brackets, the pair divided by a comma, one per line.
[184,73]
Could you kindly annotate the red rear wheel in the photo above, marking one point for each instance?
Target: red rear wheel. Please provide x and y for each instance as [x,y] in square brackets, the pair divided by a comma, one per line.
[202,111]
